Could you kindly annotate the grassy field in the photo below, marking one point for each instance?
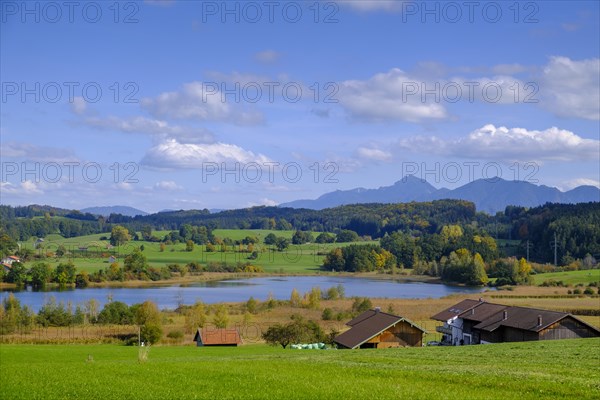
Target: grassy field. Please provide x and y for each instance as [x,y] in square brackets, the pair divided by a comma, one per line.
[570,277]
[567,369]
[296,259]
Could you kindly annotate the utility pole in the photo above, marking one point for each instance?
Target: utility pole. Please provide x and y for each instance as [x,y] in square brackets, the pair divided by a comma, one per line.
[554,244]
[529,245]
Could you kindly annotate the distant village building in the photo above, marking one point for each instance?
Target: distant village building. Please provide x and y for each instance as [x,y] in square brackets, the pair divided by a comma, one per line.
[376,329]
[112,259]
[217,337]
[8,261]
[480,322]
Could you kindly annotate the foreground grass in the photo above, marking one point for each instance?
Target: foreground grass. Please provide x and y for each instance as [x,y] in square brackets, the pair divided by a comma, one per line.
[535,370]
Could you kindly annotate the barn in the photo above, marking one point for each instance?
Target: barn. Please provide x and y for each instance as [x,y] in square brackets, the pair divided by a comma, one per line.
[379,330]
[480,322]
[217,337]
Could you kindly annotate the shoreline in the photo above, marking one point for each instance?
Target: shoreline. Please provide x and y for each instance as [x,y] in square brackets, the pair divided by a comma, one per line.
[220,276]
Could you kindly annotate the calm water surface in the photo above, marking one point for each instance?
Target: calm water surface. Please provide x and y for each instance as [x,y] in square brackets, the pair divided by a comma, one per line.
[241,289]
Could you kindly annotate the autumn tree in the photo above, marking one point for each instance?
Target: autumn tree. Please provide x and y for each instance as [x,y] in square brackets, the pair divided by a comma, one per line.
[148,318]
[195,317]
[119,235]
[295,299]
[221,317]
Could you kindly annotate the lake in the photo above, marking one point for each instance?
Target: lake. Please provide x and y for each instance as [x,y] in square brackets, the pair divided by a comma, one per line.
[239,290]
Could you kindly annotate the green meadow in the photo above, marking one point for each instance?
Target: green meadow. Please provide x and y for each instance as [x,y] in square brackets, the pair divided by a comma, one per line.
[570,277]
[297,259]
[566,369]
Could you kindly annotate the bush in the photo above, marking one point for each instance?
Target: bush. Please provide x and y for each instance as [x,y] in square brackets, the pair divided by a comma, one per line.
[588,291]
[177,335]
[116,313]
[327,314]
[151,333]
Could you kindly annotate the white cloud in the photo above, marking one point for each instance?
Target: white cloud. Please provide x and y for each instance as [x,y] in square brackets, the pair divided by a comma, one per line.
[368,153]
[173,154]
[571,88]
[79,105]
[267,56]
[262,202]
[167,186]
[201,101]
[152,127]
[385,96]
[511,144]
[25,188]
[573,183]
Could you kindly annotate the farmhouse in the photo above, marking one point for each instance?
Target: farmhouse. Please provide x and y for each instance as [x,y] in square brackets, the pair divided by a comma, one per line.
[376,329]
[479,322]
[8,261]
[218,337]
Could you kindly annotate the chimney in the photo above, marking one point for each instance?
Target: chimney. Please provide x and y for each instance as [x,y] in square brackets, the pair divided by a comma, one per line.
[539,320]
[472,311]
[377,309]
[504,315]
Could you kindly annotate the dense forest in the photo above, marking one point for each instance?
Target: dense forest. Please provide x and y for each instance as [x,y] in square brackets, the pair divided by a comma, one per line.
[575,229]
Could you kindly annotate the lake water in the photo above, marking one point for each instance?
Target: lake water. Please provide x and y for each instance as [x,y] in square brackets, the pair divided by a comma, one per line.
[241,289]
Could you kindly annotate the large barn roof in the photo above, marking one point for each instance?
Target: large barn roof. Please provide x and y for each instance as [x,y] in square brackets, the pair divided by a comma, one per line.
[368,325]
[491,316]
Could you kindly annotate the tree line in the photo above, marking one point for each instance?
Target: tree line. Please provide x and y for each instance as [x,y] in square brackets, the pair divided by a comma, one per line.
[574,228]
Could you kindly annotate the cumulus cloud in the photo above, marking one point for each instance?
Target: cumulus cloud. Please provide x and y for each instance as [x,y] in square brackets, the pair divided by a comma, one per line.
[201,101]
[571,88]
[173,154]
[25,188]
[152,127]
[267,56]
[511,144]
[385,96]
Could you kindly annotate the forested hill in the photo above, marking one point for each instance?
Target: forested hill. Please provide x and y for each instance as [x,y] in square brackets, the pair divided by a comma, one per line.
[373,220]
[577,226]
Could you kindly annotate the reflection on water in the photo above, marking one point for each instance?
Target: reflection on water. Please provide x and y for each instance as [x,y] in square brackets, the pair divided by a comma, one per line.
[237,290]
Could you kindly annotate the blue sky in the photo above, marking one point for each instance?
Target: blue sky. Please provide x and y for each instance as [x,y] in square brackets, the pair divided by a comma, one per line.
[189,104]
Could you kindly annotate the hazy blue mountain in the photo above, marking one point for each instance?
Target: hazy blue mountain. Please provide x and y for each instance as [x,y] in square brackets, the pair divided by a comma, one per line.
[582,194]
[107,210]
[405,190]
[490,196]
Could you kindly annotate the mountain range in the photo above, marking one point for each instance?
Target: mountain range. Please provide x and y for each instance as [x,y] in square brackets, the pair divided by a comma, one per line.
[105,211]
[488,195]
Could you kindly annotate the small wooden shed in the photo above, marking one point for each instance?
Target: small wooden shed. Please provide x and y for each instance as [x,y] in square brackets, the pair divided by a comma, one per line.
[217,337]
